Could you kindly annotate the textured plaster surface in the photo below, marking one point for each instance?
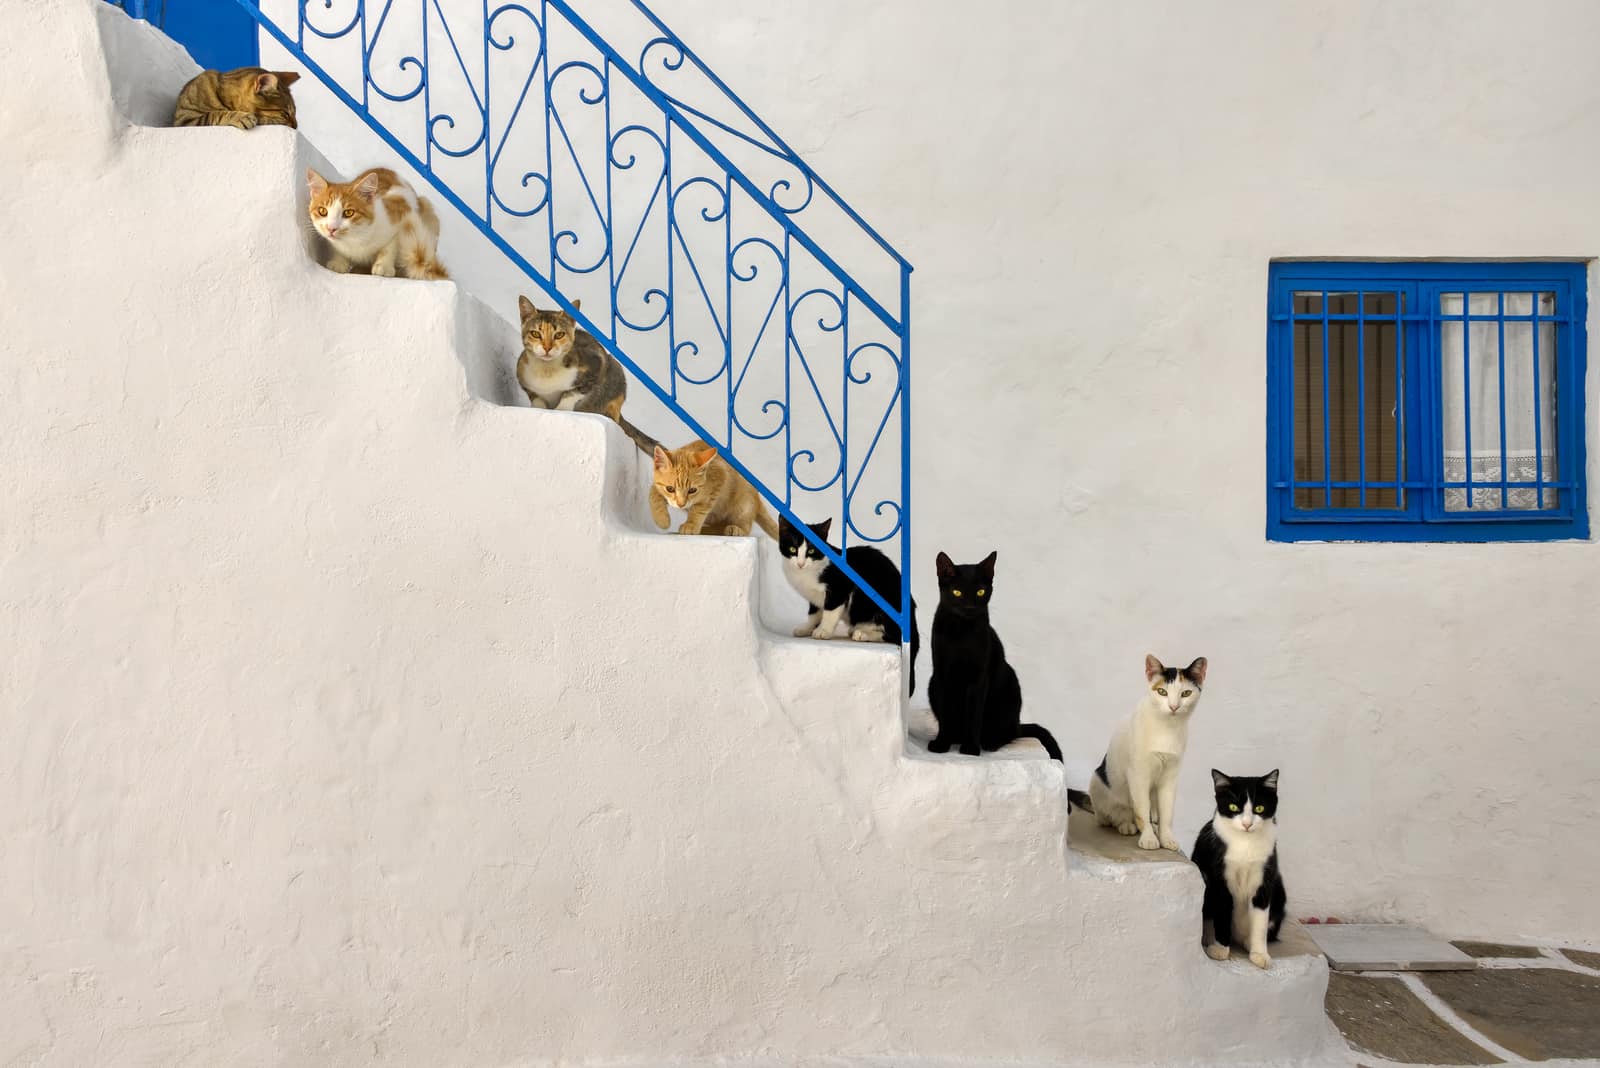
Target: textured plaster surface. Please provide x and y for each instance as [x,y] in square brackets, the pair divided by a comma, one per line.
[347,717]
[1091,194]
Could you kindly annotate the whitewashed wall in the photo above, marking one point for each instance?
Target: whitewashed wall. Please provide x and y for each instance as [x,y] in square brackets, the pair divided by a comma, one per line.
[1092,193]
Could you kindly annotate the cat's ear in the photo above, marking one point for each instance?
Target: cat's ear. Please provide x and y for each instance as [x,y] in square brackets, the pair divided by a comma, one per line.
[367,188]
[1153,667]
[663,460]
[577,305]
[287,78]
[944,567]
[1197,671]
[314,181]
[986,566]
[704,457]
[525,306]
[1221,781]
[266,82]
[1270,779]
[821,529]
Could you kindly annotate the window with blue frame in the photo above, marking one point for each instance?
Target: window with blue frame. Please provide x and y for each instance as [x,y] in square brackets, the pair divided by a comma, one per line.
[1426,401]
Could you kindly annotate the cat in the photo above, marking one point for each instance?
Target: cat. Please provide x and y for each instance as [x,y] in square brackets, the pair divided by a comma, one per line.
[245,98]
[973,692]
[376,223]
[699,481]
[835,599]
[565,368]
[1141,764]
[1237,853]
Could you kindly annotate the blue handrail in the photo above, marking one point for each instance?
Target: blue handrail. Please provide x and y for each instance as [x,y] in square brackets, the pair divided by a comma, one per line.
[614,181]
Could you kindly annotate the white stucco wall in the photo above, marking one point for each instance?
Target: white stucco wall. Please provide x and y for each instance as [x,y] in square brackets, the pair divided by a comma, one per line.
[1091,194]
[349,718]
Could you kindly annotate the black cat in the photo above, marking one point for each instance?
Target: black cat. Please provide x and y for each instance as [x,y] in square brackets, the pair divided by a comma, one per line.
[1237,853]
[835,599]
[974,693]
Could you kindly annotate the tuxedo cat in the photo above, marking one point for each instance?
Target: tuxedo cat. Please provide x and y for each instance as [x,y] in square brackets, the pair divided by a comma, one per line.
[974,693]
[834,598]
[1237,853]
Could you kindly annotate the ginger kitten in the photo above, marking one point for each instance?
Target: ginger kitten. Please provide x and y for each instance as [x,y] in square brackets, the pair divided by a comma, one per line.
[376,223]
[699,481]
[244,98]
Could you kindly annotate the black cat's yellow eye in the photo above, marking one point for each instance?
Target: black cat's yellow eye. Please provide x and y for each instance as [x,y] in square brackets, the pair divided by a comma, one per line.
[1162,690]
[956,592]
[1186,693]
[1261,808]
[982,592]
[348,214]
[1233,808]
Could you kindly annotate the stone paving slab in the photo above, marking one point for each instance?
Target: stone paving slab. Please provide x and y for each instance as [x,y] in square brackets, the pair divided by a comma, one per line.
[1386,947]
[1495,949]
[1583,957]
[1380,1016]
[1537,1013]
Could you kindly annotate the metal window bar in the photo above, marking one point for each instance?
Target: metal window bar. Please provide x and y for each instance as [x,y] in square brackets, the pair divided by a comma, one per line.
[690,160]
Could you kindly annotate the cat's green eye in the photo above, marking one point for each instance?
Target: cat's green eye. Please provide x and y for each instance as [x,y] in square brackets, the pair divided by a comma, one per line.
[1261,808]
[982,592]
[1233,808]
[1162,690]
[1186,693]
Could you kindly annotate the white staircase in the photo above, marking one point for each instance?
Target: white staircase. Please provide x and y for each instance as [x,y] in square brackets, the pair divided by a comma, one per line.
[350,718]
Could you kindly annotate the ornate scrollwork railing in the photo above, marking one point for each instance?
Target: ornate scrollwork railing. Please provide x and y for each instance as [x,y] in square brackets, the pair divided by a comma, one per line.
[615,168]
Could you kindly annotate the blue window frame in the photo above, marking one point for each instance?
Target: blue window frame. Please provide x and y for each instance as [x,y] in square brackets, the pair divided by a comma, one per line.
[1426,401]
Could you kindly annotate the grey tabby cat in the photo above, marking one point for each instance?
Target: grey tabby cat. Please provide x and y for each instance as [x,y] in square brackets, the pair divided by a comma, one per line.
[564,368]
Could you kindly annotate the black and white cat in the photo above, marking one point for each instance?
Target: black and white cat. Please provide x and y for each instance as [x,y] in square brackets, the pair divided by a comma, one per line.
[1237,853]
[834,598]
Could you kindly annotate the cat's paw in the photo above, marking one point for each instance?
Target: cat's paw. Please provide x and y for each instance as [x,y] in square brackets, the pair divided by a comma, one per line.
[1169,842]
[1261,960]
[938,745]
[383,270]
[970,750]
[1127,828]
[804,630]
[1217,951]
[823,632]
[244,121]
[1148,840]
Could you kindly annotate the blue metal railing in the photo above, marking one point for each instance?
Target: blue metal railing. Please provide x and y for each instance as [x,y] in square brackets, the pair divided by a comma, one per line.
[712,261]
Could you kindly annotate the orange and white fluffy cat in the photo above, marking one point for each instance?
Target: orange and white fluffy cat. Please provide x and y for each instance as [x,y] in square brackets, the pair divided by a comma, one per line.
[376,223]
[716,499]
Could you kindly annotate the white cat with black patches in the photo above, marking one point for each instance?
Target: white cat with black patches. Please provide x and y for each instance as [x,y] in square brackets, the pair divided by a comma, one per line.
[1136,785]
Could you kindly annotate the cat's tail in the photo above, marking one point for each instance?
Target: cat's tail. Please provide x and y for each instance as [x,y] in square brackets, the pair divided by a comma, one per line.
[1046,739]
[1042,736]
[916,643]
[645,442]
[765,520]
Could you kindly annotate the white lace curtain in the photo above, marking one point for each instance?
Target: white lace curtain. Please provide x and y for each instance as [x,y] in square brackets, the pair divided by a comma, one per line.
[1472,400]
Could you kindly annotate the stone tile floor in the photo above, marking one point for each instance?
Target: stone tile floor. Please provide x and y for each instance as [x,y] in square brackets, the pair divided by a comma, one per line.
[1522,1005]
